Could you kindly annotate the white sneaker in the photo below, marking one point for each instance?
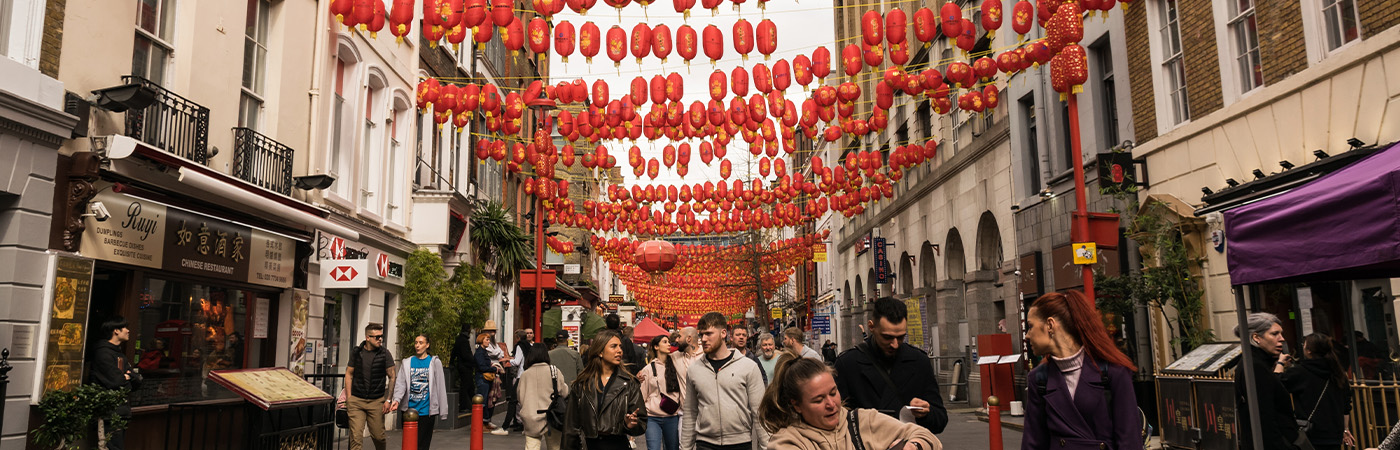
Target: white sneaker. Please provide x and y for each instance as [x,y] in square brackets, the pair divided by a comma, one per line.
[500,432]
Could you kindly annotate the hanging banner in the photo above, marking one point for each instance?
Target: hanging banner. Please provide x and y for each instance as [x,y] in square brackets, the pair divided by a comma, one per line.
[915,322]
[64,334]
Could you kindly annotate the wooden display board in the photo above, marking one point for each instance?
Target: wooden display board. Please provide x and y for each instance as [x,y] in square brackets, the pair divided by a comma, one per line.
[270,387]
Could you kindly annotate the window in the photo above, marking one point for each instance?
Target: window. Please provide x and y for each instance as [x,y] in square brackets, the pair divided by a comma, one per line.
[184,330]
[154,23]
[1246,36]
[342,142]
[1173,66]
[1339,22]
[1032,145]
[393,163]
[371,152]
[1103,55]
[254,64]
[5,15]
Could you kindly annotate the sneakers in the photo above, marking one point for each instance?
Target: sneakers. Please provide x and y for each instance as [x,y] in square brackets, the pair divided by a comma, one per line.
[500,432]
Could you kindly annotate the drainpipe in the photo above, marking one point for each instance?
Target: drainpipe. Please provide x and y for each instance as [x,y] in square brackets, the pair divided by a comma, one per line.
[318,68]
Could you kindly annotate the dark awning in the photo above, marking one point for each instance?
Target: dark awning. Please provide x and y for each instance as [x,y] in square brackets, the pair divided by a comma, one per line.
[1344,225]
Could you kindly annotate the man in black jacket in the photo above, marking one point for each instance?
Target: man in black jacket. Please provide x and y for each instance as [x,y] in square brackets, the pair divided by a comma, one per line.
[886,374]
[111,370]
[464,362]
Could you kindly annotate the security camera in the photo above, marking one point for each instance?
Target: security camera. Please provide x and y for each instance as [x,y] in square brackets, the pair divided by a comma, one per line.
[1018,272]
[99,212]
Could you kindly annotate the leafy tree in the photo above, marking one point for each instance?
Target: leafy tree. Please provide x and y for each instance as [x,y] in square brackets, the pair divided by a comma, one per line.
[436,305]
[499,242]
[474,293]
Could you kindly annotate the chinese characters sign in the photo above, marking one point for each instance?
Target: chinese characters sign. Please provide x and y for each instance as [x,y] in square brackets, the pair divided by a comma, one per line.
[152,235]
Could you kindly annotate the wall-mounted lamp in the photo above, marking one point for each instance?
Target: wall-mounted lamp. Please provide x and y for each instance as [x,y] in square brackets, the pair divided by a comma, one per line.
[1321,154]
[124,97]
[1047,193]
[314,182]
[1285,164]
[1355,143]
[1231,182]
[1258,174]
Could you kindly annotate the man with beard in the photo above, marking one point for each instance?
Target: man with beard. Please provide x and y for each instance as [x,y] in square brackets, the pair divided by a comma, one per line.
[739,338]
[885,374]
[688,348]
[767,355]
[723,392]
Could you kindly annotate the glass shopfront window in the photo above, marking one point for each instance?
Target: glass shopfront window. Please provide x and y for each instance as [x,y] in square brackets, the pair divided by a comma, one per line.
[183,330]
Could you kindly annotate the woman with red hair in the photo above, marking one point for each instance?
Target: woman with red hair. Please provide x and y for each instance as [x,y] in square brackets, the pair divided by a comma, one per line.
[1081,396]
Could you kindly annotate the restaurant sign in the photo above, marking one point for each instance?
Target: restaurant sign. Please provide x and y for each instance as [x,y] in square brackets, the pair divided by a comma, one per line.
[68,290]
[149,234]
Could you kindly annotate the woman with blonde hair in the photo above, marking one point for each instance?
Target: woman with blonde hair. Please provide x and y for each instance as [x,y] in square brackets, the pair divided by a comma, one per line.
[803,411]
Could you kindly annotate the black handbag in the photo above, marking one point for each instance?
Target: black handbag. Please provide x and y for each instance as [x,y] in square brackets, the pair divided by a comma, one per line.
[558,404]
[342,418]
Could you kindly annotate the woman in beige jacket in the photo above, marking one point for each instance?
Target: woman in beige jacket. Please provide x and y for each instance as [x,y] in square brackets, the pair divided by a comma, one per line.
[802,410]
[539,381]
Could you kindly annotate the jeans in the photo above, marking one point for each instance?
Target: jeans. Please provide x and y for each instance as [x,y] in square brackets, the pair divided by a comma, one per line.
[512,400]
[663,433]
[366,411]
[483,388]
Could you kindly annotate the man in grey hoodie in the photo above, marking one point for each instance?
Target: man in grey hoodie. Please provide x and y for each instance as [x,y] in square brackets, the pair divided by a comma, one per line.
[723,392]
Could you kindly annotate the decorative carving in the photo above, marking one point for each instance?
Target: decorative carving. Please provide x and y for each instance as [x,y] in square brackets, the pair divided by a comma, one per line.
[80,192]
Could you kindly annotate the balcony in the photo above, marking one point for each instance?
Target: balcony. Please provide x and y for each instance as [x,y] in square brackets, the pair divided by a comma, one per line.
[173,123]
[262,161]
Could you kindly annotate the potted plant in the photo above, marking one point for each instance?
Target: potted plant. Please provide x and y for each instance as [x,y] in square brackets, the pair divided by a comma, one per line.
[68,414]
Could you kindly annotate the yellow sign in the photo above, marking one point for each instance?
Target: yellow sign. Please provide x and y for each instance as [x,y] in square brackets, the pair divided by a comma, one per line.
[819,253]
[1086,253]
[777,313]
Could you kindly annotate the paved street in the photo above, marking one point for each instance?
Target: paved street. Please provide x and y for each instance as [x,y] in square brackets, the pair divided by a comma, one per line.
[964,431]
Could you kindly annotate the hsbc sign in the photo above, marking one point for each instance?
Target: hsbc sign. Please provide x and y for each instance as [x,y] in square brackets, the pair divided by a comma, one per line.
[346,273]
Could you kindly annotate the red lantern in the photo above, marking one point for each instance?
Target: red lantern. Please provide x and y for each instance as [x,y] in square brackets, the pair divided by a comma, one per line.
[873,55]
[884,96]
[951,15]
[683,6]
[428,91]
[743,38]
[1038,53]
[1022,16]
[724,169]
[482,35]
[851,60]
[1044,9]
[899,54]
[600,92]
[539,36]
[686,43]
[991,17]
[961,75]
[762,78]
[1069,71]
[968,39]
[661,41]
[361,13]
[872,28]
[617,45]
[377,20]
[564,40]
[767,38]
[638,91]
[342,10]
[991,96]
[502,12]
[984,68]
[718,89]
[782,75]
[581,6]
[514,37]
[925,25]
[714,43]
[821,63]
[589,39]
[658,89]
[655,256]
[401,19]
[896,26]
[641,41]
[802,70]
[432,35]
[739,81]
[473,13]
[675,88]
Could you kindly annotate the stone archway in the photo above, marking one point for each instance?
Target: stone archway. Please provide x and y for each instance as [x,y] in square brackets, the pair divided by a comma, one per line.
[953,329]
[928,273]
[989,251]
[987,302]
[906,275]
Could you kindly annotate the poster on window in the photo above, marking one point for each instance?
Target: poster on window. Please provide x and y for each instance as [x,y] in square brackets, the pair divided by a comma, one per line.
[301,302]
[64,334]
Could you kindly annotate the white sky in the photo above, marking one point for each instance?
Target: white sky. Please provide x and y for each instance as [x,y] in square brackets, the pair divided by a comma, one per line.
[802,27]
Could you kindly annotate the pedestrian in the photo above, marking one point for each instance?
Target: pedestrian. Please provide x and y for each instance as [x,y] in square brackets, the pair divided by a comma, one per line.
[524,339]
[767,356]
[369,379]
[886,374]
[111,370]
[1081,396]
[564,357]
[421,386]
[490,331]
[1264,332]
[538,383]
[630,356]
[607,405]
[1391,441]
[723,392]
[1320,393]
[663,393]
[829,352]
[792,339]
[740,341]
[465,364]
[803,410]
[688,348]
[488,372]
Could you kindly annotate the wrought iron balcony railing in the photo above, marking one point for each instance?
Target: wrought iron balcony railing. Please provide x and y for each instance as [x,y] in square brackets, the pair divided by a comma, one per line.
[262,161]
[173,123]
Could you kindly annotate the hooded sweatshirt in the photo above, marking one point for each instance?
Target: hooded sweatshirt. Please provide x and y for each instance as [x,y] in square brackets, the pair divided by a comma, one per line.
[877,431]
[1306,381]
[721,407]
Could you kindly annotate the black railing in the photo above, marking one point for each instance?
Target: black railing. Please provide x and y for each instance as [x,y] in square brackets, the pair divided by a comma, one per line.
[262,161]
[331,383]
[172,123]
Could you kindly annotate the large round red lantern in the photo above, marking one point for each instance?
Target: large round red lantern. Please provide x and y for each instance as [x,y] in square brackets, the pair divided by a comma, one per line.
[675,89]
[1069,71]
[991,96]
[984,68]
[655,256]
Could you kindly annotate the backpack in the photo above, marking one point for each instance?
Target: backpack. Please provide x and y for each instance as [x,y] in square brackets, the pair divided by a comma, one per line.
[1041,380]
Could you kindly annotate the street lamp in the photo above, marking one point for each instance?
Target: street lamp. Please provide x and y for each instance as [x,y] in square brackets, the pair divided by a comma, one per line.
[541,105]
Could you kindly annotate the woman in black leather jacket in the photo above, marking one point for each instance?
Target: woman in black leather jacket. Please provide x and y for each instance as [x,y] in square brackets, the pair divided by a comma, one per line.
[605,402]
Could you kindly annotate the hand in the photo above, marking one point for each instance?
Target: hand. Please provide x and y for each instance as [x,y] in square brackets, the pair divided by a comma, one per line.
[1348,439]
[920,407]
[393,406]
[631,419]
[388,406]
[641,376]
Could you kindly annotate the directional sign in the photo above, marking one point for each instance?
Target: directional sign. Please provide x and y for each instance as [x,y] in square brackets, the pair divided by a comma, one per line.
[349,273]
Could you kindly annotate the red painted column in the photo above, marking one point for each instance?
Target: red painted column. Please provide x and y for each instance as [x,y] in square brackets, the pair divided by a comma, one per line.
[410,430]
[994,422]
[477,412]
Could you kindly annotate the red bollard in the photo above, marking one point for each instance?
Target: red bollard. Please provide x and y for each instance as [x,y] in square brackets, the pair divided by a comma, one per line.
[477,412]
[410,430]
[994,422]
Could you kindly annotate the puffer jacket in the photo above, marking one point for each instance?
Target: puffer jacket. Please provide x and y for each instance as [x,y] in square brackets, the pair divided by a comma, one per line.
[588,419]
[371,371]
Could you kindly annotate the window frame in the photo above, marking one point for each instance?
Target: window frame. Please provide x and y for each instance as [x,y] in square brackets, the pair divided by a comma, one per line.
[369,200]
[1233,86]
[1030,142]
[1315,30]
[1166,108]
[349,70]
[165,25]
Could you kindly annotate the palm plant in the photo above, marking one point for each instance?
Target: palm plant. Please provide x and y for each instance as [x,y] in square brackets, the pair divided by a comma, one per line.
[498,241]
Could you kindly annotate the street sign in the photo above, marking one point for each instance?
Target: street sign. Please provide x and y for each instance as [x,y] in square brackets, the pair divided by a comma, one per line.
[819,253]
[1084,253]
[821,323]
[882,268]
[777,313]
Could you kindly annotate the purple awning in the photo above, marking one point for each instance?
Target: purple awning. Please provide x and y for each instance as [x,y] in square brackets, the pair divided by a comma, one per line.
[1344,225]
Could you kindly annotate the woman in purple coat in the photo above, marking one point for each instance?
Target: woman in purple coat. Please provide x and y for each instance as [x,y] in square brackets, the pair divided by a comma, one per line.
[1081,396]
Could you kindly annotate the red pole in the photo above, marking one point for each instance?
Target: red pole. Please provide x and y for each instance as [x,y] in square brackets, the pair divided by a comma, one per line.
[994,422]
[477,412]
[1081,214]
[539,245]
[410,430]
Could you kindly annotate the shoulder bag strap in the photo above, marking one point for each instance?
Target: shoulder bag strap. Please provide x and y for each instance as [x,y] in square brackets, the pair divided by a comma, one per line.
[853,426]
[1319,399]
[553,384]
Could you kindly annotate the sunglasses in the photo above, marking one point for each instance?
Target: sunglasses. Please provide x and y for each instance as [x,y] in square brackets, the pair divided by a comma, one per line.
[377,336]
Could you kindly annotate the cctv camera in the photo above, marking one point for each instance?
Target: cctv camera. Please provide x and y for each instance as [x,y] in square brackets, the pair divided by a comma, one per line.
[1018,272]
[99,211]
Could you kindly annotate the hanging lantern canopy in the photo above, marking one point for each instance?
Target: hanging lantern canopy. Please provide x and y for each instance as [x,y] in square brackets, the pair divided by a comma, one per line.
[564,40]
[767,38]
[713,43]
